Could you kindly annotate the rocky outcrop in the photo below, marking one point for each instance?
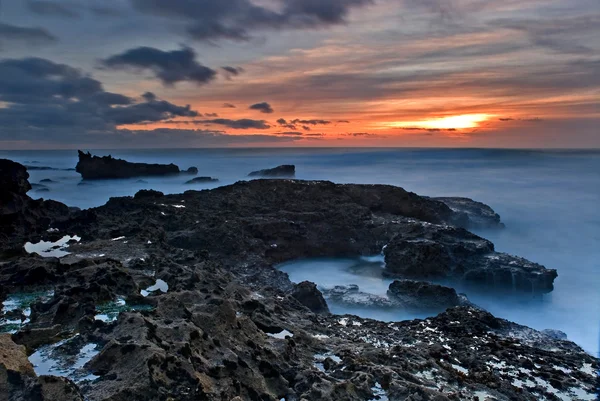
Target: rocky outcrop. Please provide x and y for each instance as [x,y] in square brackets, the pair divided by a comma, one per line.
[279,171]
[480,215]
[308,295]
[106,167]
[226,325]
[18,381]
[350,295]
[426,251]
[202,180]
[20,216]
[423,295]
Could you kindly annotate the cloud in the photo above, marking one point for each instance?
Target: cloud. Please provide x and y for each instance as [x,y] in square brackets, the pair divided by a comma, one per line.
[231,72]
[243,123]
[168,66]
[46,100]
[26,34]
[51,9]
[229,106]
[234,19]
[263,107]
[293,124]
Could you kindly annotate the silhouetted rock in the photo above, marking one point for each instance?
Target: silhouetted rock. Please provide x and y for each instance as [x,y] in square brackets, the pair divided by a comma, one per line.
[106,167]
[423,295]
[47,181]
[280,171]
[202,180]
[308,295]
[191,171]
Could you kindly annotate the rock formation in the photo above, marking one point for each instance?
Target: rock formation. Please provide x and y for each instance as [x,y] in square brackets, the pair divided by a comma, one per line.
[175,297]
[95,167]
[202,180]
[279,171]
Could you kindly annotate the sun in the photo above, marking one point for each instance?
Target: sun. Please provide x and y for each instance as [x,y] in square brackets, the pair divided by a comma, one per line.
[453,122]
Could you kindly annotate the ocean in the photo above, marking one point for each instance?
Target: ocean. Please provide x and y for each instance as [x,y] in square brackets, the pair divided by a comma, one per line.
[548,199]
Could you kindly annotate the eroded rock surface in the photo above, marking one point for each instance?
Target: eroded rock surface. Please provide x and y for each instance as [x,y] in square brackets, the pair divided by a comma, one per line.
[479,214]
[176,298]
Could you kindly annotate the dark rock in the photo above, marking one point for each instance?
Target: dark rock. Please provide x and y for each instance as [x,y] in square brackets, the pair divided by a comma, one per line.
[423,295]
[280,171]
[39,168]
[94,167]
[555,334]
[42,190]
[351,295]
[202,180]
[191,171]
[425,251]
[47,181]
[148,194]
[479,214]
[308,295]
[38,186]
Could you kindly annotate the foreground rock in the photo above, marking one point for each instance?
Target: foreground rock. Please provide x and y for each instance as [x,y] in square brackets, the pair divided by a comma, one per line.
[424,251]
[176,298]
[20,216]
[94,168]
[280,171]
[423,295]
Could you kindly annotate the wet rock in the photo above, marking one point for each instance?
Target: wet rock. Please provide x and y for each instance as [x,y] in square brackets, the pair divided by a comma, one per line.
[202,180]
[279,171]
[94,167]
[555,334]
[479,214]
[13,357]
[351,295]
[308,295]
[425,251]
[423,295]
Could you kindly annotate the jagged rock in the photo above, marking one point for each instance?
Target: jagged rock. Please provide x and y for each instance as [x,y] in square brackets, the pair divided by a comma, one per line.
[279,171]
[423,295]
[21,216]
[94,167]
[424,251]
[479,214]
[202,180]
[308,295]
[352,296]
[555,334]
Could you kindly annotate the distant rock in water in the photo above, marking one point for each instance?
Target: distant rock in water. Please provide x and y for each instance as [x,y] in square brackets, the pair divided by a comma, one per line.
[280,171]
[95,167]
[40,168]
[38,186]
[202,180]
[47,181]
[423,295]
[191,171]
[479,214]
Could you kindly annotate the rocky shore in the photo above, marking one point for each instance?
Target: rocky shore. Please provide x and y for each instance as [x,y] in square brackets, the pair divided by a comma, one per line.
[176,297]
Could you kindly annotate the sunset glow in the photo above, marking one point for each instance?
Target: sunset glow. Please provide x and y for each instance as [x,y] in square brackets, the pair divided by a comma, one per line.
[453,122]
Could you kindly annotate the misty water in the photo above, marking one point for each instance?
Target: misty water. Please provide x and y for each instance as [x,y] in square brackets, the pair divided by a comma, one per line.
[549,201]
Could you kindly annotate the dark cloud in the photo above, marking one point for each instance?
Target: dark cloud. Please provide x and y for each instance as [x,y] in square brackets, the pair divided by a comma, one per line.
[292,133]
[263,107]
[229,106]
[25,34]
[293,124]
[243,123]
[235,19]
[211,115]
[531,119]
[168,66]
[48,98]
[52,9]
[231,72]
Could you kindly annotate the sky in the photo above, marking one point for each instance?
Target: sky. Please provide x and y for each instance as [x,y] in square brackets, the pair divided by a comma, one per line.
[277,73]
